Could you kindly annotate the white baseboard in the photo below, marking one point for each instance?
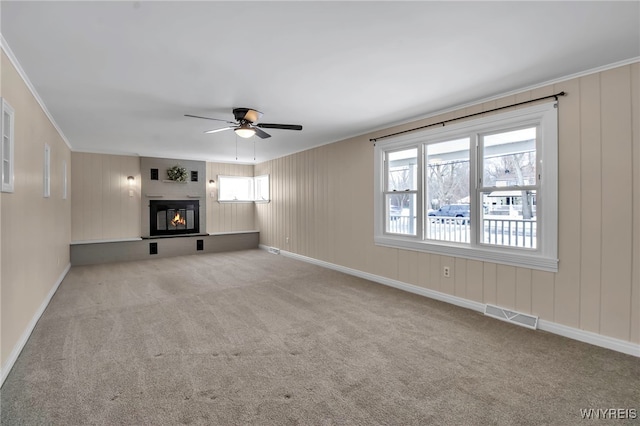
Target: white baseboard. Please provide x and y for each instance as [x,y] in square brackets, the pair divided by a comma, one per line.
[595,339]
[590,337]
[443,297]
[13,356]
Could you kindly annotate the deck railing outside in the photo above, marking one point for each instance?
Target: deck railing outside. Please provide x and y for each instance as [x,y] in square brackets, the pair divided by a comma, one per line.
[500,231]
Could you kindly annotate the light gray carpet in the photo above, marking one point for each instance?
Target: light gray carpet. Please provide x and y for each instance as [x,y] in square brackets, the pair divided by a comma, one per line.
[254,338]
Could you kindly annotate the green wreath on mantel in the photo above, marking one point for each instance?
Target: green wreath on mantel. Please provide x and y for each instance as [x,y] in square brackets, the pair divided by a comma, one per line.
[177,174]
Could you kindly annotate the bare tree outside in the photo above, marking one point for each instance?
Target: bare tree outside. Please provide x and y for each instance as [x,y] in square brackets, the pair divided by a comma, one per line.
[448,173]
[400,179]
[448,182]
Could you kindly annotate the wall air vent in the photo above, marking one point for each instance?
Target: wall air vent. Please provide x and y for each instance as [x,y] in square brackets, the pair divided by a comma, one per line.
[273,250]
[518,318]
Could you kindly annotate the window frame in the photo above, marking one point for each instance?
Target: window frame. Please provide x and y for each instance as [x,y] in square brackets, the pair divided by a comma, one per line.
[64,180]
[416,192]
[544,257]
[46,172]
[7,158]
[253,183]
[256,181]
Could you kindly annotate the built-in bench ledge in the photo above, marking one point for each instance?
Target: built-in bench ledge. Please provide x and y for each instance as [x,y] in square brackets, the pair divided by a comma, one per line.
[234,232]
[114,240]
[140,248]
[158,237]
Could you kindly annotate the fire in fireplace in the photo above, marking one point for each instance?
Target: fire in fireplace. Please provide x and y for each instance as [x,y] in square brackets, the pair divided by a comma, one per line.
[174,217]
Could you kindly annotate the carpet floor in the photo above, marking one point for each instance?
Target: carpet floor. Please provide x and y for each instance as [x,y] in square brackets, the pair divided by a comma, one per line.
[251,338]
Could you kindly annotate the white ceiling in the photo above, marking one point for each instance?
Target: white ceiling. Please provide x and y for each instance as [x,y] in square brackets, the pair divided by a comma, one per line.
[117,77]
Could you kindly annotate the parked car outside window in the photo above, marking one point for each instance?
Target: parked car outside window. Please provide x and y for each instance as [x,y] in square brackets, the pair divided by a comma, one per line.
[452,210]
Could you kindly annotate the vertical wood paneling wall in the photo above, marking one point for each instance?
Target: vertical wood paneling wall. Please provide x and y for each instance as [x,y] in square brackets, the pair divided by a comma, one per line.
[322,207]
[35,230]
[101,205]
[102,208]
[228,217]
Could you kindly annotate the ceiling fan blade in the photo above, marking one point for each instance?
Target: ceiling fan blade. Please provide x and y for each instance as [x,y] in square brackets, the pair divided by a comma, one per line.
[279,126]
[209,118]
[219,130]
[261,133]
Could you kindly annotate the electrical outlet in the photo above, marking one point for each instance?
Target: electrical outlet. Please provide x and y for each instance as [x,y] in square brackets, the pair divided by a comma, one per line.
[446,272]
[287,240]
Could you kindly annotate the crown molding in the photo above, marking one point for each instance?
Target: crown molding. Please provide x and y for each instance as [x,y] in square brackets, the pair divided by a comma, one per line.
[4,46]
[502,95]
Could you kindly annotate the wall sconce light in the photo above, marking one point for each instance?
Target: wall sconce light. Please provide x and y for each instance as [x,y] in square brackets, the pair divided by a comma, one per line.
[211,182]
[131,180]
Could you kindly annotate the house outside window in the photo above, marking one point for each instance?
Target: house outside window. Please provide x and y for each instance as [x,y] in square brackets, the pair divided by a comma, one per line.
[483,189]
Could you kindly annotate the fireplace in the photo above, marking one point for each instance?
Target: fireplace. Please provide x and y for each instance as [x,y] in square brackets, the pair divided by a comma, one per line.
[174,217]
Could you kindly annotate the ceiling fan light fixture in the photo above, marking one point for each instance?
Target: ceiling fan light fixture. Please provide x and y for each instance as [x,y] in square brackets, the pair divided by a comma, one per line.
[244,130]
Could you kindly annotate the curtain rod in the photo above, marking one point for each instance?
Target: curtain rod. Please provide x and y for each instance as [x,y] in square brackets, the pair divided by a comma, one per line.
[467,116]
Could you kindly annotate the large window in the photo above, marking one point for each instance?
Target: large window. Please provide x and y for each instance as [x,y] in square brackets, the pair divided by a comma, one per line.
[484,189]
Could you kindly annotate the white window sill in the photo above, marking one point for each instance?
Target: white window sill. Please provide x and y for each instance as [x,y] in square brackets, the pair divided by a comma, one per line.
[244,201]
[512,257]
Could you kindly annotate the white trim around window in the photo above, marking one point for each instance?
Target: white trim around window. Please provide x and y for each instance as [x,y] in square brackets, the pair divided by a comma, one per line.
[243,189]
[7,146]
[64,180]
[46,172]
[539,190]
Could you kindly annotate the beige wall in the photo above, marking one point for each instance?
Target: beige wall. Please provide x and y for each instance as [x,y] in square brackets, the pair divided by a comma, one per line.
[322,200]
[2,358]
[35,230]
[102,207]
[228,217]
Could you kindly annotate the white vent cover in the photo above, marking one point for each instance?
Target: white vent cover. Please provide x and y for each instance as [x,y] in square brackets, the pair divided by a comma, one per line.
[524,320]
[273,250]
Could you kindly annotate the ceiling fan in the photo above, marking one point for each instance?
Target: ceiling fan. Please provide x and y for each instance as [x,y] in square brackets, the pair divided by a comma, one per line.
[246,124]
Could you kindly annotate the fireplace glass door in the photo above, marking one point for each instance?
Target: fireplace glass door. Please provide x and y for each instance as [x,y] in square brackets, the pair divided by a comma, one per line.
[174,217]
